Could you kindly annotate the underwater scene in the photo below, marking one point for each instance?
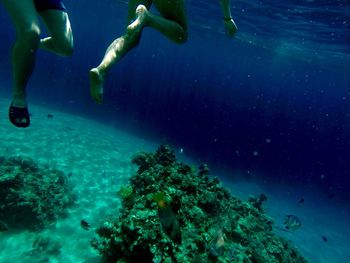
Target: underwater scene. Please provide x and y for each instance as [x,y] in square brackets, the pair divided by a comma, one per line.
[175,131]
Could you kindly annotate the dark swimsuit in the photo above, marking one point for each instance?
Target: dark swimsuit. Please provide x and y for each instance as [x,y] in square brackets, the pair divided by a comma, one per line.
[42,5]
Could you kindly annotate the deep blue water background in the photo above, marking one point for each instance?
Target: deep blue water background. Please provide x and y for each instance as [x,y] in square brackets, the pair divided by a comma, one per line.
[273,103]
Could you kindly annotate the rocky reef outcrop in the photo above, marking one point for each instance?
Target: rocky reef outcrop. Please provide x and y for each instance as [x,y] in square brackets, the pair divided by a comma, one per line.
[173,213]
[32,196]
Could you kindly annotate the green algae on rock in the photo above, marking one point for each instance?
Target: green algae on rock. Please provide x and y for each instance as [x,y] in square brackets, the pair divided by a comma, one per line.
[31,196]
[213,225]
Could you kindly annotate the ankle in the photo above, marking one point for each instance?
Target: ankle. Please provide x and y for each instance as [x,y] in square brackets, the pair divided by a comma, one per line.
[19,102]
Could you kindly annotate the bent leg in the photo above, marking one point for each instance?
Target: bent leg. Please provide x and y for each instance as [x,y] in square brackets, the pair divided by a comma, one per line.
[116,50]
[119,47]
[60,40]
[25,19]
[172,23]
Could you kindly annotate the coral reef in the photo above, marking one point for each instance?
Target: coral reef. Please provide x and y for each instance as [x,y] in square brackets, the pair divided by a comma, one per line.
[31,196]
[180,215]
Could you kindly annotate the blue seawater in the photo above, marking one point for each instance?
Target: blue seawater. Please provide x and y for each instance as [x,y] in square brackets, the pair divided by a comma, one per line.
[274,100]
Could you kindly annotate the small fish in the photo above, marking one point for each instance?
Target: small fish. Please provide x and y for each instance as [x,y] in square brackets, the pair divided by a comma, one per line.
[324,238]
[217,245]
[167,218]
[301,201]
[292,223]
[49,116]
[85,225]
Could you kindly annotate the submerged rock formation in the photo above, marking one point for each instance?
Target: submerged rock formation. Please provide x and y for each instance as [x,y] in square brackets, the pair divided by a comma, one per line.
[31,196]
[171,213]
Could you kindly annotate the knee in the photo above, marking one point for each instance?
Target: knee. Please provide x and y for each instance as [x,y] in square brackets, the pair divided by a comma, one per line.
[183,38]
[29,37]
[182,35]
[63,45]
[67,49]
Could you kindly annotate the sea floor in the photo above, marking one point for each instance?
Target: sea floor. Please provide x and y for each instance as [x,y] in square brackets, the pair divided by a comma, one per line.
[98,158]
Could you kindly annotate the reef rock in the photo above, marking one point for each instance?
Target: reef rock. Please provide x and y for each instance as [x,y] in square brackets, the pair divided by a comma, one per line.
[31,196]
[175,214]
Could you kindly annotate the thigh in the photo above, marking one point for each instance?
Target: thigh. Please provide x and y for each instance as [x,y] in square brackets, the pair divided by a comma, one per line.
[58,25]
[173,10]
[23,14]
[132,7]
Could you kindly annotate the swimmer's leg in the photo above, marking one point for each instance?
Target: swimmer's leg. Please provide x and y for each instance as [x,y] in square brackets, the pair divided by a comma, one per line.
[60,40]
[114,53]
[172,23]
[116,50]
[25,19]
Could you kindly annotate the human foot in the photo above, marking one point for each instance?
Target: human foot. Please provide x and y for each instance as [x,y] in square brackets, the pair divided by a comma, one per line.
[96,85]
[19,116]
[141,17]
